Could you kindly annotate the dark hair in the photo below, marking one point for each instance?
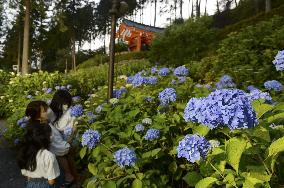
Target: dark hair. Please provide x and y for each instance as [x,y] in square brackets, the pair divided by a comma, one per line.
[33,110]
[37,137]
[60,98]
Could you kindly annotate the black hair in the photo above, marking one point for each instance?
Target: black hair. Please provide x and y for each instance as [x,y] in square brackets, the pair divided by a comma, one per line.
[33,110]
[60,98]
[36,137]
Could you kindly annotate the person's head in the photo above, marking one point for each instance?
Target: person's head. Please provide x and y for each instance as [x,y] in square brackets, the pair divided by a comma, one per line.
[36,138]
[61,101]
[37,111]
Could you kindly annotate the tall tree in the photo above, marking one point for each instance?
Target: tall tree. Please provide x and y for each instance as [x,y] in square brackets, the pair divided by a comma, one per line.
[25,60]
[267,6]
[180,8]
[155,14]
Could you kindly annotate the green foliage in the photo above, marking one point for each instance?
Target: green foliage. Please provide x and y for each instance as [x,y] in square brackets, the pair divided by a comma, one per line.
[183,42]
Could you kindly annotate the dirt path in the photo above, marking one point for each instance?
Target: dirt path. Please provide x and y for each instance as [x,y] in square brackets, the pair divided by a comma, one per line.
[10,176]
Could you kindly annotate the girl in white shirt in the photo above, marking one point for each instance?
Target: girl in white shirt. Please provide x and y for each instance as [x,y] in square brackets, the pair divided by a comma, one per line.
[35,161]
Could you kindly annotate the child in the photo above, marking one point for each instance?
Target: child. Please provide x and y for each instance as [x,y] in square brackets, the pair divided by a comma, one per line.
[60,116]
[35,161]
[37,112]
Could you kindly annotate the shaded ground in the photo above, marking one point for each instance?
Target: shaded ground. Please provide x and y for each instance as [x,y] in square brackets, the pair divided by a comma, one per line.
[10,176]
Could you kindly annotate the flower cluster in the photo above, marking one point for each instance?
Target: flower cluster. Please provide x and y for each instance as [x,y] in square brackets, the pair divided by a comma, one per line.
[147,121]
[138,80]
[225,107]
[152,134]
[167,95]
[154,70]
[181,71]
[225,81]
[193,148]
[279,61]
[257,94]
[125,157]
[76,110]
[118,93]
[67,133]
[251,88]
[23,122]
[164,71]
[91,117]
[273,85]
[99,109]
[91,138]
[139,128]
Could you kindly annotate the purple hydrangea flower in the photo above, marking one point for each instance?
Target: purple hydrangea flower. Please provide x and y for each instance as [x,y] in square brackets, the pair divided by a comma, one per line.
[48,91]
[125,157]
[152,80]
[167,95]
[99,109]
[193,148]
[273,85]
[279,61]
[152,134]
[139,128]
[257,94]
[225,81]
[207,86]
[91,138]
[23,122]
[154,70]
[164,71]
[181,79]
[181,71]
[77,110]
[118,93]
[251,88]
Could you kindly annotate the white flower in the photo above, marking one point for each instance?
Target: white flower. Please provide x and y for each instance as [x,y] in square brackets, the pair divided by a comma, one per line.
[10,100]
[123,77]
[113,101]
[37,92]
[2,97]
[147,121]
[11,82]
[214,143]
[12,73]
[43,83]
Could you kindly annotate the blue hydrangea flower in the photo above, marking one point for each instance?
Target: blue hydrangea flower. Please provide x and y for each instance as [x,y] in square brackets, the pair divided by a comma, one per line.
[99,109]
[181,79]
[29,97]
[149,99]
[152,80]
[152,134]
[279,61]
[125,157]
[118,93]
[77,110]
[76,98]
[137,80]
[273,85]
[92,117]
[225,107]
[193,148]
[181,71]
[207,86]
[139,128]
[154,70]
[164,72]
[48,91]
[251,88]
[167,95]
[225,81]
[257,94]
[69,86]
[23,122]
[91,138]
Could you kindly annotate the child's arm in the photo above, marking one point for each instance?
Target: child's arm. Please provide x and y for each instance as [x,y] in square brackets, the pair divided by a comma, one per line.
[51,182]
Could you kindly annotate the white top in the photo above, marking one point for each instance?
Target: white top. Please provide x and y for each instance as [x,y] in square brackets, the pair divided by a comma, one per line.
[46,166]
[58,146]
[66,120]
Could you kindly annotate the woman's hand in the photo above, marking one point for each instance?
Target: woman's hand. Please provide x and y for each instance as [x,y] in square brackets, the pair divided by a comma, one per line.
[51,182]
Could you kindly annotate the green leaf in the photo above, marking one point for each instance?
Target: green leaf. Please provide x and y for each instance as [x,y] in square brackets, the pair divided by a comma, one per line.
[262,133]
[83,152]
[91,184]
[234,150]
[275,117]
[201,130]
[261,108]
[191,178]
[92,169]
[251,182]
[173,167]
[230,178]
[276,147]
[109,184]
[151,153]
[133,113]
[137,183]
[206,182]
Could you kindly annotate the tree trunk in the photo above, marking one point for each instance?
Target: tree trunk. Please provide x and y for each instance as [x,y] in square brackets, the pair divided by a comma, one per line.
[205,8]
[155,14]
[256,6]
[180,8]
[197,4]
[175,8]
[236,3]
[267,6]
[192,9]
[19,54]
[25,60]
[73,54]
[218,7]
